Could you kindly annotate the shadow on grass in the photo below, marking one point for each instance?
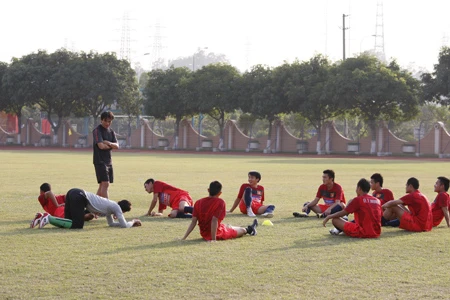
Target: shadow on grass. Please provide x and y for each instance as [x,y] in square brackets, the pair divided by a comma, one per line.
[332,240]
[170,244]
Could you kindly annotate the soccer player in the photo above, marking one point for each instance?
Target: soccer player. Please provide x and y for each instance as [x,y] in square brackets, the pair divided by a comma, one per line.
[385,195]
[418,216]
[53,205]
[209,212]
[441,204]
[332,194]
[78,200]
[104,141]
[251,198]
[367,210]
[376,184]
[179,200]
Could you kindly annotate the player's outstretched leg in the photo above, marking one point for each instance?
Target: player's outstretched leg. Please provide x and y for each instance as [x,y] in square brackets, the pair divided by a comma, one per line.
[251,229]
[269,211]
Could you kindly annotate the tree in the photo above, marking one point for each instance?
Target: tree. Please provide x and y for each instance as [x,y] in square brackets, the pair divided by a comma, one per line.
[376,92]
[21,85]
[100,86]
[214,91]
[262,95]
[166,95]
[4,98]
[310,93]
[437,84]
[198,60]
[129,99]
[59,86]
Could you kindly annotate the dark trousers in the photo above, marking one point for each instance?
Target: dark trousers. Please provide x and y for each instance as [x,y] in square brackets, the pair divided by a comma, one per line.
[76,203]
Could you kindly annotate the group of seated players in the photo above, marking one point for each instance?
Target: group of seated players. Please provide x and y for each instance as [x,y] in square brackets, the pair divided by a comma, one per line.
[412,212]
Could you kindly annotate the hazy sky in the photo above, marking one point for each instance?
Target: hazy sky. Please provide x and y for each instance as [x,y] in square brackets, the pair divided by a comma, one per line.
[248,32]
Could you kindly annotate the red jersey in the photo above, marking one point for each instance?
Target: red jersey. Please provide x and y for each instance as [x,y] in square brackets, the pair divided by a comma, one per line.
[257,193]
[331,195]
[442,200]
[48,205]
[204,210]
[384,195]
[168,194]
[420,209]
[367,210]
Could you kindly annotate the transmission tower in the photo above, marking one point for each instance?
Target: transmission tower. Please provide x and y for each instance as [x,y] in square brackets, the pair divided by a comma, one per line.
[157,59]
[379,33]
[125,39]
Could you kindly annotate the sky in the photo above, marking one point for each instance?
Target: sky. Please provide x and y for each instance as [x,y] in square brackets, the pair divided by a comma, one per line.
[247,32]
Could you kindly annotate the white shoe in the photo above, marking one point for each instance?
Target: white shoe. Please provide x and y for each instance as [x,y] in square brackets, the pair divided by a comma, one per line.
[267,215]
[335,231]
[44,220]
[250,213]
[36,220]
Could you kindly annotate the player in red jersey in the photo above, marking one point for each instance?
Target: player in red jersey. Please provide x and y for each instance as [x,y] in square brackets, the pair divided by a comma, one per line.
[376,184]
[417,217]
[251,198]
[209,213]
[385,195]
[367,210]
[53,205]
[441,204]
[332,194]
[179,200]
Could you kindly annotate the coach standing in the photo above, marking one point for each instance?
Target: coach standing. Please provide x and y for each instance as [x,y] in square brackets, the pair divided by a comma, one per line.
[104,141]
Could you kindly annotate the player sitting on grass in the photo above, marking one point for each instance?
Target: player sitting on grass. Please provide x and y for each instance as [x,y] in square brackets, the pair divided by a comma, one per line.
[209,213]
[332,194]
[385,195]
[417,217]
[367,211]
[53,205]
[441,204]
[179,200]
[78,200]
[251,198]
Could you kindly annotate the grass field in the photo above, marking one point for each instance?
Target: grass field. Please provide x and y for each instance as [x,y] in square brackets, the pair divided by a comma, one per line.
[294,259]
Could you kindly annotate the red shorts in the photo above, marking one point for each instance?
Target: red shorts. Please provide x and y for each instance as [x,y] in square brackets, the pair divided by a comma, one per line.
[408,222]
[226,232]
[438,216]
[354,230]
[255,206]
[175,204]
[323,207]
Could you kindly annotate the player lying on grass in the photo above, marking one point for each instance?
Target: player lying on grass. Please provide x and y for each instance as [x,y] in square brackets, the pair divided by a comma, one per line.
[78,200]
[417,216]
[179,200]
[209,212]
[53,205]
[251,198]
[367,211]
[332,194]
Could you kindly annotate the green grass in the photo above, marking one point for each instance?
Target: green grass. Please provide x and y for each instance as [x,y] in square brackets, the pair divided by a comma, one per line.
[294,259]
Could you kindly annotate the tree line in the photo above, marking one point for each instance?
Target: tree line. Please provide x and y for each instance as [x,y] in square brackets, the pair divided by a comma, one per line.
[360,88]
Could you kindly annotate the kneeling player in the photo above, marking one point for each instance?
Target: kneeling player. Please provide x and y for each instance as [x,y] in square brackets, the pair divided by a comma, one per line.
[209,213]
[367,210]
[179,200]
